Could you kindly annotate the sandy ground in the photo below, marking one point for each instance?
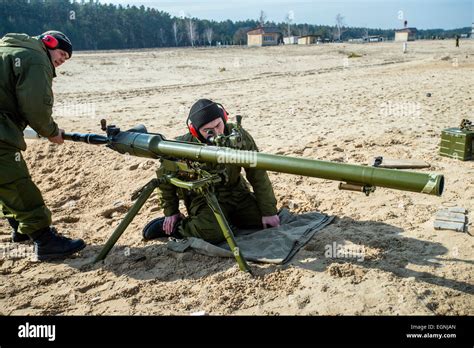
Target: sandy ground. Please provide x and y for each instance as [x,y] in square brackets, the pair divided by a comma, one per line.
[311,102]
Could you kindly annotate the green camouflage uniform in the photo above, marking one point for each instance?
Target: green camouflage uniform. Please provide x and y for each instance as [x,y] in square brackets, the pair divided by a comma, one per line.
[26,99]
[242,208]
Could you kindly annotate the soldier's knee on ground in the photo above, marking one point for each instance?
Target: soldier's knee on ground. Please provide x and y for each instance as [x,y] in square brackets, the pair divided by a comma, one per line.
[202,226]
[245,212]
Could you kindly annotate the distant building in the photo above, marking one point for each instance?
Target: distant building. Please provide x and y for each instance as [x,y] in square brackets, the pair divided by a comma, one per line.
[374,38]
[290,40]
[264,37]
[405,34]
[360,39]
[308,39]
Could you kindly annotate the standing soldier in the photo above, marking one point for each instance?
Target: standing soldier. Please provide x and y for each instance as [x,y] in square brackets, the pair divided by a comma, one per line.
[27,69]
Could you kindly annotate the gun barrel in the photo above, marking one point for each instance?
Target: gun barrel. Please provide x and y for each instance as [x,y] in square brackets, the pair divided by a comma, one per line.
[428,183]
[155,146]
[94,139]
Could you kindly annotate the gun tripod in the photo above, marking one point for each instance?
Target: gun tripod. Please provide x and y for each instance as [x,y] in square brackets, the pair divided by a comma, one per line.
[203,185]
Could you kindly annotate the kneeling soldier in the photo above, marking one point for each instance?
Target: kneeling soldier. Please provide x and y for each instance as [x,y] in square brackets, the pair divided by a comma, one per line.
[241,207]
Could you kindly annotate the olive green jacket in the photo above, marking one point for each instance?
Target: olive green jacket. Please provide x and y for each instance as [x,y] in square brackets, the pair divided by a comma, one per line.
[26,96]
[258,178]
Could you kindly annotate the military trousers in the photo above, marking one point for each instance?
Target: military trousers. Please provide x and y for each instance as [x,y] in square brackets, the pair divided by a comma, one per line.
[20,198]
[239,207]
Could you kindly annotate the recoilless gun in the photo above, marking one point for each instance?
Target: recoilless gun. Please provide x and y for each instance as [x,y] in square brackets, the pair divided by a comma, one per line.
[178,158]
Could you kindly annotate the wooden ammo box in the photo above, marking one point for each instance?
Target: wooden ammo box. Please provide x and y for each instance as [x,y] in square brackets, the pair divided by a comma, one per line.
[458,143]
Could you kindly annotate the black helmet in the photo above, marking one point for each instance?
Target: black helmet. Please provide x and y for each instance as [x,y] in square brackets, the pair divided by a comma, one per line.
[203,112]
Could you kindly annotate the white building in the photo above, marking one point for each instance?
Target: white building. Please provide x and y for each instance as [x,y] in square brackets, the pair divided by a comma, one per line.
[290,40]
[405,34]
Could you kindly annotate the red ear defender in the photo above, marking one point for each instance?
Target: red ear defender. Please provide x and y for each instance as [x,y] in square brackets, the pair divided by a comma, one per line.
[50,41]
[226,116]
[193,131]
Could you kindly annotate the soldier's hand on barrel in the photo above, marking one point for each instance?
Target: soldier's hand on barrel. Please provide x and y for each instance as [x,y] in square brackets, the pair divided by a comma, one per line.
[270,221]
[170,222]
[58,139]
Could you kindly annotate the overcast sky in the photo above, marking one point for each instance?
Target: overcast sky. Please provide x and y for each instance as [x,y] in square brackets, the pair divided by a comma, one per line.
[423,14]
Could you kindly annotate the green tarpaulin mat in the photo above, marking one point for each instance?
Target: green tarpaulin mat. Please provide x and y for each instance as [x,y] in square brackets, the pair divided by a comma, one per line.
[275,245]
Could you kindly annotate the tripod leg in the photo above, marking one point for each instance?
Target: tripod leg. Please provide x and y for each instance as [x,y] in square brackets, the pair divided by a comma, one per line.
[226,230]
[142,198]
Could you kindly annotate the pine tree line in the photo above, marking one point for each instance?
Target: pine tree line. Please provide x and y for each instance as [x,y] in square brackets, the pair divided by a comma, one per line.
[92,25]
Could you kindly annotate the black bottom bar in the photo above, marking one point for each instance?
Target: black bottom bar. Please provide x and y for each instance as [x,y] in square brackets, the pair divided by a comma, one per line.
[291,331]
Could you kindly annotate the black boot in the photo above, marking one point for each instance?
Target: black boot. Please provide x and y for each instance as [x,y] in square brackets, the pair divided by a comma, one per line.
[16,236]
[48,244]
[154,229]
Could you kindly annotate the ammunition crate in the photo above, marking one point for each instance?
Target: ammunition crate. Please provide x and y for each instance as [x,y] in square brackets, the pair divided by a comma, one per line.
[457,143]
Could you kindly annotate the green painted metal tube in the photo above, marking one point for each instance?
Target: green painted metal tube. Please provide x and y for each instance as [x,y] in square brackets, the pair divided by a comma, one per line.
[428,183]
[155,146]
[213,203]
